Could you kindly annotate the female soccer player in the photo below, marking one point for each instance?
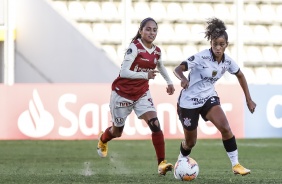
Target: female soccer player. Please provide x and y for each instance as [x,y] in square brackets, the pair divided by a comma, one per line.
[198,96]
[130,91]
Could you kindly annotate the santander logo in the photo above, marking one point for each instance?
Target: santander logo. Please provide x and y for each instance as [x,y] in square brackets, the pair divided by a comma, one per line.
[36,121]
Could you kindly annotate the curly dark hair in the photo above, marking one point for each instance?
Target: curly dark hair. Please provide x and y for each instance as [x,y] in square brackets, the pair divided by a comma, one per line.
[215,28]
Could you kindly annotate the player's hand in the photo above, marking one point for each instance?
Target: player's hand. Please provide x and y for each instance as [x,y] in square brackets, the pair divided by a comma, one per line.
[170,89]
[152,74]
[184,83]
[251,105]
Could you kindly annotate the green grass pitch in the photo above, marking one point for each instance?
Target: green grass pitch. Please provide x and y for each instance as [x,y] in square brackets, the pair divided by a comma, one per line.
[133,162]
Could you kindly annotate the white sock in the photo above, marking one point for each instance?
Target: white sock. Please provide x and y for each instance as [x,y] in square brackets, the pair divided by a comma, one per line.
[233,156]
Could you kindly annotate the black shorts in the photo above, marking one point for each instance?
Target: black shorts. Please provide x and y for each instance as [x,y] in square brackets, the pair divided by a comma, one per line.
[190,117]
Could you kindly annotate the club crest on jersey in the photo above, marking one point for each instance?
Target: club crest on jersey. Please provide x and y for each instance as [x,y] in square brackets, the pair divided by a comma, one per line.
[155,61]
[228,62]
[156,52]
[214,73]
[129,51]
[191,58]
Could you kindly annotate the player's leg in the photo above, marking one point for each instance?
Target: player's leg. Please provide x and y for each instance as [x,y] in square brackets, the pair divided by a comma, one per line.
[216,115]
[189,119]
[145,110]
[158,141]
[119,115]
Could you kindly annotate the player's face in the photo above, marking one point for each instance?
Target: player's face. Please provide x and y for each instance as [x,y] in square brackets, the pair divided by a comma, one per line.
[218,46]
[149,32]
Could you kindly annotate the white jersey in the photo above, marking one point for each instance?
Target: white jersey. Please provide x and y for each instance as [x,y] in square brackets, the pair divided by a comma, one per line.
[204,72]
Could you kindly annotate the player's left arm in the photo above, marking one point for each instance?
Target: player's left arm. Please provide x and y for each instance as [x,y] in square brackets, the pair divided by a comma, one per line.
[243,83]
[161,68]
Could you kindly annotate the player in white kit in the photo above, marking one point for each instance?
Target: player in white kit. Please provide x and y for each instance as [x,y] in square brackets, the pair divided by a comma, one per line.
[130,91]
[198,96]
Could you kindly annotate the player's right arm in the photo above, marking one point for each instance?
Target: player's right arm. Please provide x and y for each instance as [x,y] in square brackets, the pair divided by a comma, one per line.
[178,72]
[129,58]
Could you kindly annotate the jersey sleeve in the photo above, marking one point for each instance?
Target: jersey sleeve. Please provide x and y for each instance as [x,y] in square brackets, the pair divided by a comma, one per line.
[129,57]
[192,61]
[233,66]
[161,68]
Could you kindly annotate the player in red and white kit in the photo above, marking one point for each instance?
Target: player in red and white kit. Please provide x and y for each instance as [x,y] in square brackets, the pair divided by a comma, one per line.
[130,91]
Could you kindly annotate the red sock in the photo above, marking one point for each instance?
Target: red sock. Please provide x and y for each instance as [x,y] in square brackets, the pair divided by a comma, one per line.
[107,135]
[159,144]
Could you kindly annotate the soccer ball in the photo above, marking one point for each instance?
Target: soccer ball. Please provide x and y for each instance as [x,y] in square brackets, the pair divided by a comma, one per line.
[186,169]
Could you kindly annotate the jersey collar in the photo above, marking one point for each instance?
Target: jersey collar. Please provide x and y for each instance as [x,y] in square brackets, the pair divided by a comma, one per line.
[213,56]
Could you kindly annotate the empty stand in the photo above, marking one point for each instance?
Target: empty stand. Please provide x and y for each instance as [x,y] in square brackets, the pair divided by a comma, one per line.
[158,11]
[101,32]
[276,75]
[270,54]
[254,54]
[190,12]
[110,11]
[205,11]
[174,11]
[141,10]
[263,75]
[275,34]
[261,34]
[249,75]
[252,12]
[174,54]
[76,10]
[267,12]
[182,33]
[165,33]
[93,11]
[222,12]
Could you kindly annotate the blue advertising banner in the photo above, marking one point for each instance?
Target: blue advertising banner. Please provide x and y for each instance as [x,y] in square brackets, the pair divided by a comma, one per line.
[266,122]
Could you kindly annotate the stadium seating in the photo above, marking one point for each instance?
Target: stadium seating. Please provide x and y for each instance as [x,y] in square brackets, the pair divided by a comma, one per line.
[270,54]
[190,12]
[181,28]
[158,11]
[110,11]
[93,11]
[205,11]
[276,75]
[263,75]
[174,11]
[76,10]
[182,33]
[141,11]
[252,12]
[249,75]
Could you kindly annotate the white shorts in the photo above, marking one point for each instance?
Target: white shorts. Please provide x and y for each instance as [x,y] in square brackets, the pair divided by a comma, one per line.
[121,107]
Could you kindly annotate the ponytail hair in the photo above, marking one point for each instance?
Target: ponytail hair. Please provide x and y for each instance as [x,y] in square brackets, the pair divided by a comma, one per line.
[142,25]
[215,29]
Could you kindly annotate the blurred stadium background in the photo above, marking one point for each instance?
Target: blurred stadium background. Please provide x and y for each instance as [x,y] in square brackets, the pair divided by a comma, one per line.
[59,57]
[254,28]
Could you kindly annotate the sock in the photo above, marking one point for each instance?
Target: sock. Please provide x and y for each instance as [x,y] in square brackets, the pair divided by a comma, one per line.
[159,144]
[107,135]
[231,149]
[184,152]
[233,156]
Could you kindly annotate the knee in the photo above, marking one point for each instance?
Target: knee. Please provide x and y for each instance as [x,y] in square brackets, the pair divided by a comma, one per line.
[225,130]
[154,125]
[117,132]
